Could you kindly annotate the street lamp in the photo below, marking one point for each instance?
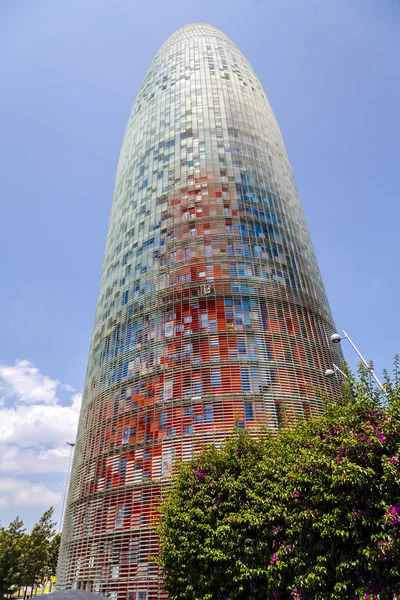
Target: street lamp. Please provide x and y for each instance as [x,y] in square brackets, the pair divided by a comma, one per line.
[71,445]
[336,338]
[331,372]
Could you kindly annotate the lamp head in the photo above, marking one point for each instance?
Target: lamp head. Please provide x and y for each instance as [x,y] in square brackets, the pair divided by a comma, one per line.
[336,338]
[329,373]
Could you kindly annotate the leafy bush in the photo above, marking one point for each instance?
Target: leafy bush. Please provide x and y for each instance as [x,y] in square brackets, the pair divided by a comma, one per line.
[312,512]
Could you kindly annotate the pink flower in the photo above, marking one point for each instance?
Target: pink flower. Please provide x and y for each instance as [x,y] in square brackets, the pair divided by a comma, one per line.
[274,559]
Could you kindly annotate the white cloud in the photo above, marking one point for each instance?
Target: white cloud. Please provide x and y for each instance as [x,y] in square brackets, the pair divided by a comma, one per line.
[25,383]
[76,403]
[39,424]
[35,426]
[20,492]
[32,460]
[68,387]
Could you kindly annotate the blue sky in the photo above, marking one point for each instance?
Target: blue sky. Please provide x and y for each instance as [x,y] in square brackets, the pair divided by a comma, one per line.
[69,72]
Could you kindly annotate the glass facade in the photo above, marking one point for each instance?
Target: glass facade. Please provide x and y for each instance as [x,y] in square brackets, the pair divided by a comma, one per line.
[211,307]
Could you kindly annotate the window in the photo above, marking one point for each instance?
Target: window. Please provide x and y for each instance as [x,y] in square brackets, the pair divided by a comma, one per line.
[163,420]
[189,429]
[171,432]
[197,387]
[125,435]
[115,571]
[215,378]
[122,465]
[248,412]
[204,320]
[188,411]
[169,329]
[244,374]
[137,595]
[310,358]
[278,410]
[208,413]
[119,516]
[168,389]
[255,380]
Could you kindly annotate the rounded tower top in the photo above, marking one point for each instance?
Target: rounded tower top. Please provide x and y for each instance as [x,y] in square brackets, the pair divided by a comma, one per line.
[198,30]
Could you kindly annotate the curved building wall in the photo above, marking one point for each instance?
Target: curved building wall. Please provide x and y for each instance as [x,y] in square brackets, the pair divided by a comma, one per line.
[211,308]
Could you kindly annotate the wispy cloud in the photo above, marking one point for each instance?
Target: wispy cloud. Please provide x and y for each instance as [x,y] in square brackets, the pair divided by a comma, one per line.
[24,382]
[39,424]
[21,492]
[34,428]
[33,460]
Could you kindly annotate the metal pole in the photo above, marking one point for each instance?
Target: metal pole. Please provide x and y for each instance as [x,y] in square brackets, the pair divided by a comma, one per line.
[365,362]
[66,486]
[340,371]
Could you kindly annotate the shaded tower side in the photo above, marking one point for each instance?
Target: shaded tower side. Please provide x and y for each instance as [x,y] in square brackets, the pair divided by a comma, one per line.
[211,308]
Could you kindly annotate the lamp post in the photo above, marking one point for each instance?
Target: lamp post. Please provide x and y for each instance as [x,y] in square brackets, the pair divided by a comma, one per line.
[331,372]
[336,338]
[71,445]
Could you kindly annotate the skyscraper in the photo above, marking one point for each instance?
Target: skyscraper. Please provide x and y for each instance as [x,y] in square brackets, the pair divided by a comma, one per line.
[211,307]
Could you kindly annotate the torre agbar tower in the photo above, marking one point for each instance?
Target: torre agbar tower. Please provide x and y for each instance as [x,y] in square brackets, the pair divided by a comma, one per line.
[211,308]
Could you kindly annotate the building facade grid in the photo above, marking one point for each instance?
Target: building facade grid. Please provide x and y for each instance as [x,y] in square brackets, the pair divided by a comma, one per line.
[211,310]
